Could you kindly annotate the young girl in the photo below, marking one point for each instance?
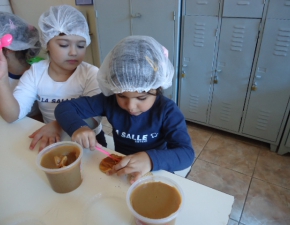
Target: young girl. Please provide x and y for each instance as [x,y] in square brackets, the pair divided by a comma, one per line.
[25,46]
[65,35]
[147,126]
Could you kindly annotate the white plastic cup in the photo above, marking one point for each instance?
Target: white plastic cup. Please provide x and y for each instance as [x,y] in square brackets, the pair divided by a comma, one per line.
[141,220]
[65,179]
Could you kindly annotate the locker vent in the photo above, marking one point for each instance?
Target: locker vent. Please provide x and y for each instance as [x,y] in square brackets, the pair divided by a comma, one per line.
[225,111]
[263,119]
[198,38]
[238,38]
[283,42]
[193,103]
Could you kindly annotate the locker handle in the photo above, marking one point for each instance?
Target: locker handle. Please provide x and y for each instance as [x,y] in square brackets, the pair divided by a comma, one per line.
[182,74]
[243,3]
[254,87]
[215,80]
[137,15]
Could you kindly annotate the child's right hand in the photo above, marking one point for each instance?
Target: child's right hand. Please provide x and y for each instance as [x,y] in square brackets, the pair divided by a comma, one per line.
[86,137]
[3,66]
[48,134]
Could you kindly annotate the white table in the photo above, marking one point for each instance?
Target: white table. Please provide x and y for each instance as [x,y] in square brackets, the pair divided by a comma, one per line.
[27,198]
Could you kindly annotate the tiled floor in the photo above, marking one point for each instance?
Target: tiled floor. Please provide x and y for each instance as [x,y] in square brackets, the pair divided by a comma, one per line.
[258,178]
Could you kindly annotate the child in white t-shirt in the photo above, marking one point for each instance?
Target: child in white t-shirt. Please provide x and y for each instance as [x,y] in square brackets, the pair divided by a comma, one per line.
[25,46]
[64,34]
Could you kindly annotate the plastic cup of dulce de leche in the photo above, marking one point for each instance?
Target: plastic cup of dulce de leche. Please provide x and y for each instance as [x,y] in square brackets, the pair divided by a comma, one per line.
[155,200]
[61,163]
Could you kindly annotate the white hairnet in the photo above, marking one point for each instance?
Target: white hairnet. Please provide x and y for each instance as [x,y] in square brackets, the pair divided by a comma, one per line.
[25,36]
[62,19]
[136,63]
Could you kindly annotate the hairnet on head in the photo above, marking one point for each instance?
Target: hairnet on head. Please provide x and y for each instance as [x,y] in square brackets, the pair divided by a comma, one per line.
[25,36]
[136,63]
[62,19]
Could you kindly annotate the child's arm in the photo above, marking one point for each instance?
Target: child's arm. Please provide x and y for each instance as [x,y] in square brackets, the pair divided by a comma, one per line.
[92,86]
[70,115]
[179,153]
[9,108]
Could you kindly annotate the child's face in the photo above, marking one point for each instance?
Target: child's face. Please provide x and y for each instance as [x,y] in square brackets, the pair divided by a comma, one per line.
[67,51]
[136,103]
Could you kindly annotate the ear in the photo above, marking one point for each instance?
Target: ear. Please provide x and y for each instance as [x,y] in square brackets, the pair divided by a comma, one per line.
[7,52]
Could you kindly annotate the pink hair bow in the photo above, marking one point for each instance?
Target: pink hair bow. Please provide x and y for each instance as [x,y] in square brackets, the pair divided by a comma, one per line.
[6,40]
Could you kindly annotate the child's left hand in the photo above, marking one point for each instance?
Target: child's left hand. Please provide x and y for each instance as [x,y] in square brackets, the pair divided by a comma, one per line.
[136,165]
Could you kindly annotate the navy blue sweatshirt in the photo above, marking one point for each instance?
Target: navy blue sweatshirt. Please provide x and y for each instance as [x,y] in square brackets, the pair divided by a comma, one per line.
[161,131]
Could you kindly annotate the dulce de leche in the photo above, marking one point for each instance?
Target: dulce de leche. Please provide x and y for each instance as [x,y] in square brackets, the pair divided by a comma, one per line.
[61,163]
[155,200]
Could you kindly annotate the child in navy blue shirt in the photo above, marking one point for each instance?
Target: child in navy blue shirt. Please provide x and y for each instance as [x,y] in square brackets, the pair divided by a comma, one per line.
[147,127]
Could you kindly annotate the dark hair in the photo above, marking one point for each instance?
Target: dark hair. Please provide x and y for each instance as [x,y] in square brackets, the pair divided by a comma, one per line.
[159,91]
[20,55]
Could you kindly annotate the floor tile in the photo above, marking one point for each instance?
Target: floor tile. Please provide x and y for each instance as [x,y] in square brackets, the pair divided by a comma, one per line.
[230,153]
[243,139]
[266,204]
[224,180]
[199,136]
[273,168]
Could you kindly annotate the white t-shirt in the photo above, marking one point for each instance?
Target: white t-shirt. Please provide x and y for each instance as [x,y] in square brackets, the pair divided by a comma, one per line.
[13,81]
[36,84]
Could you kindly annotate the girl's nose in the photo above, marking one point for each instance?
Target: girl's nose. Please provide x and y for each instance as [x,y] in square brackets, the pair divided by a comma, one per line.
[72,51]
[130,105]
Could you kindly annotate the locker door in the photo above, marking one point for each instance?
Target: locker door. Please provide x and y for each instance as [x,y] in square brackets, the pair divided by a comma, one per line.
[199,40]
[113,23]
[235,57]
[156,19]
[202,7]
[243,8]
[265,110]
[279,9]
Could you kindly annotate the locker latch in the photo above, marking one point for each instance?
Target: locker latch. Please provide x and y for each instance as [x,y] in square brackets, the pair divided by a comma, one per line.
[137,15]
[215,80]
[182,74]
[254,87]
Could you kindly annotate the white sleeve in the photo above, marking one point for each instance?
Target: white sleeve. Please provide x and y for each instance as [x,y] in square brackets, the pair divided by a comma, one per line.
[26,92]
[92,85]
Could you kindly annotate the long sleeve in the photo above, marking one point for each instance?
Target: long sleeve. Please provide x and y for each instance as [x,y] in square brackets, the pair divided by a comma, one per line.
[70,114]
[179,153]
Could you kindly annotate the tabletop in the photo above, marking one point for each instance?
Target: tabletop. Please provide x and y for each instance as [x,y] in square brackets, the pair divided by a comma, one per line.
[27,198]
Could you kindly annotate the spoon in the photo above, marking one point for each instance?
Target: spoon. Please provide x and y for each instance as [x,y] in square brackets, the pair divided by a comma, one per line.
[103,151]
[6,40]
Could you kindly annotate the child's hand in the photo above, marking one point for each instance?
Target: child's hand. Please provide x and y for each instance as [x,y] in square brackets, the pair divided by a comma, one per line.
[3,66]
[48,134]
[136,165]
[86,137]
